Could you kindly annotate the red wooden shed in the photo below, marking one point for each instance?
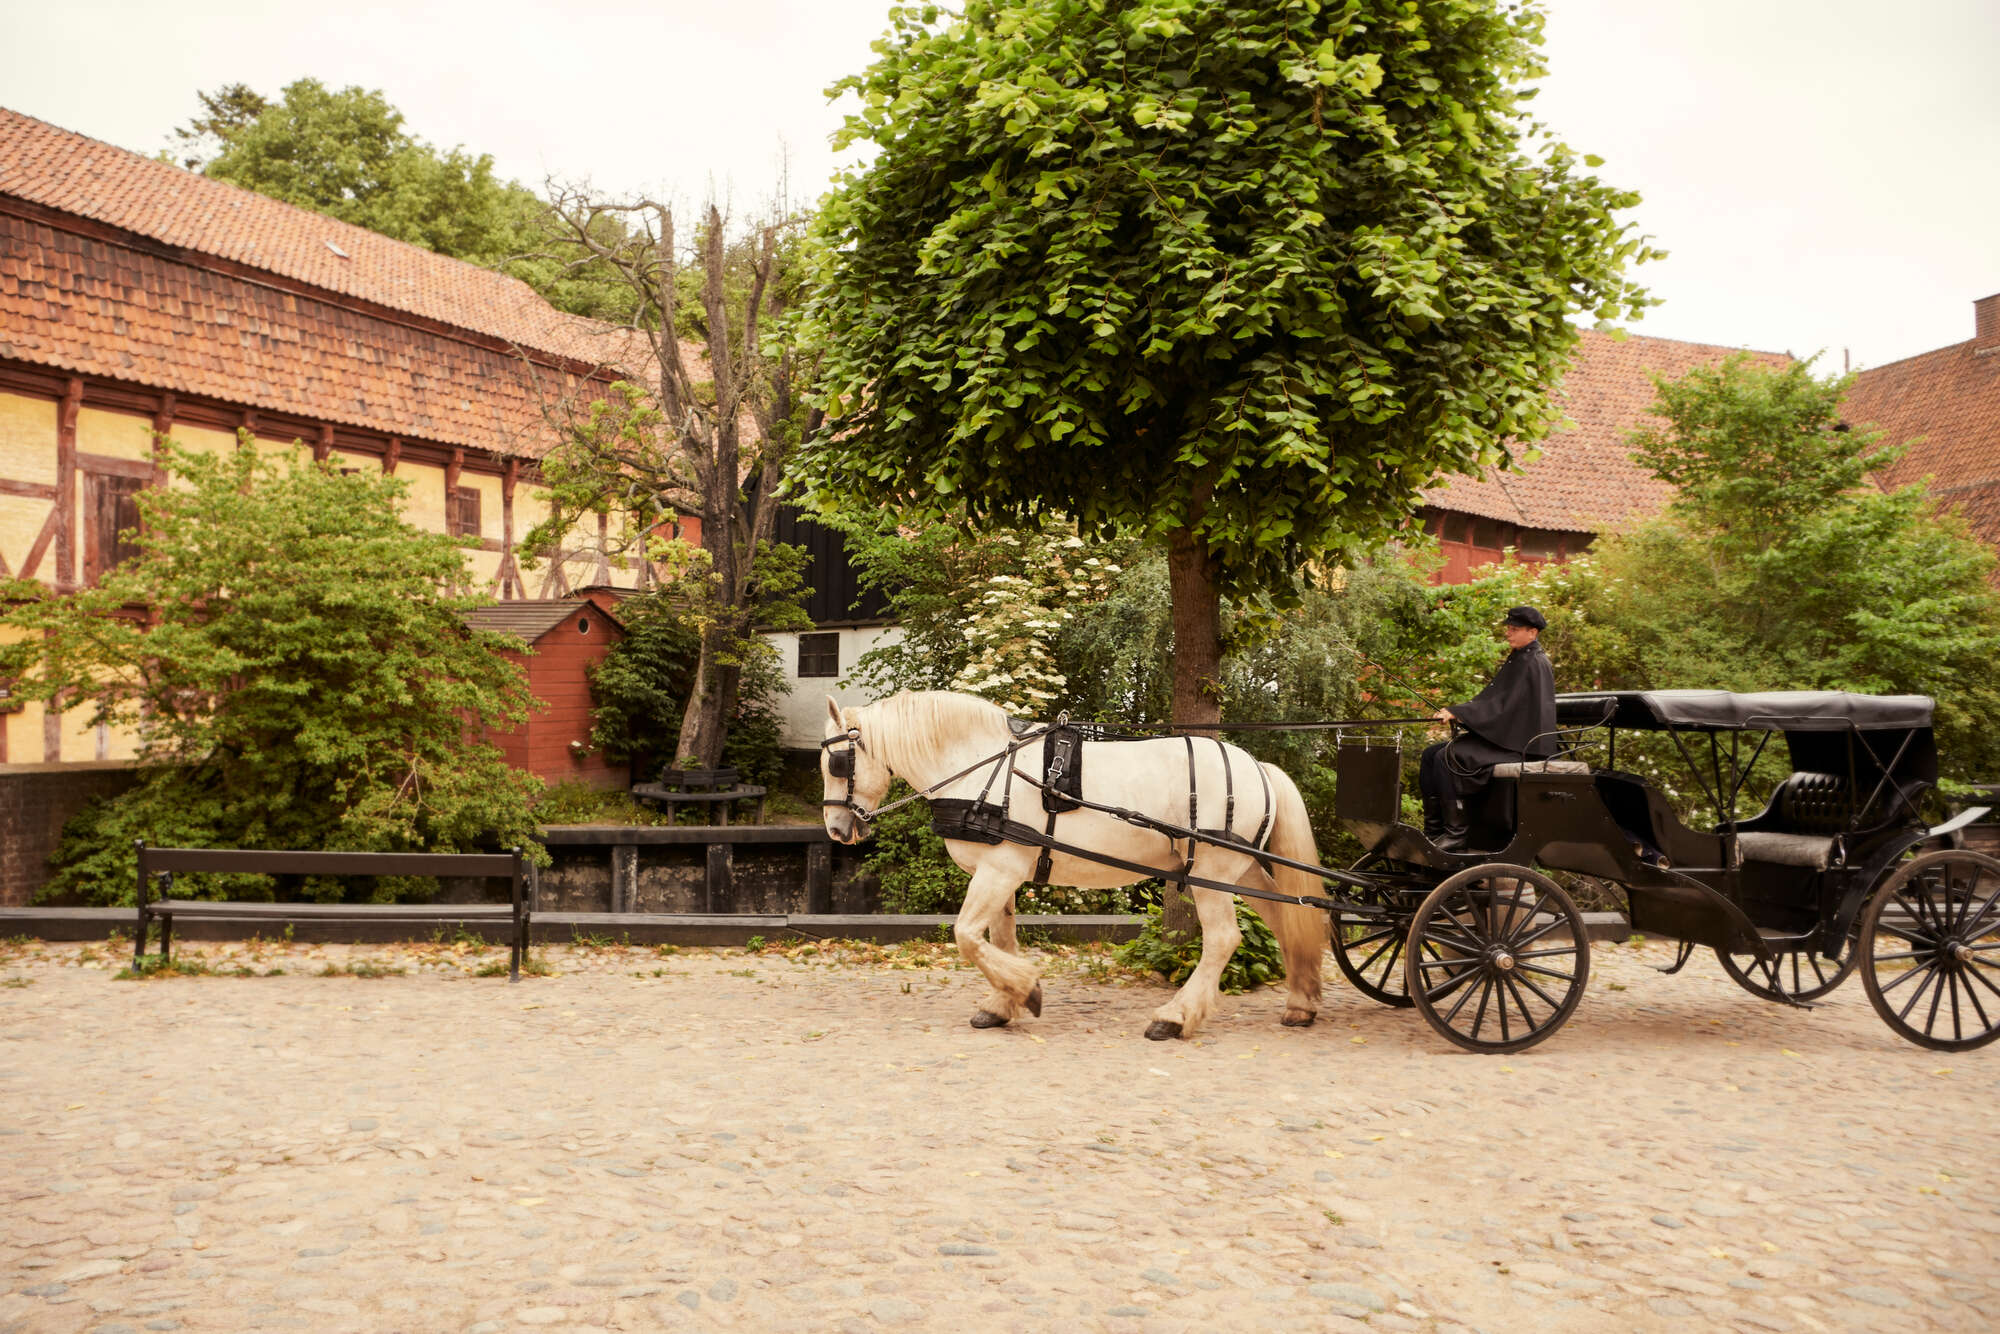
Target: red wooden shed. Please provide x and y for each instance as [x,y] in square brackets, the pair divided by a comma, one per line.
[568,636]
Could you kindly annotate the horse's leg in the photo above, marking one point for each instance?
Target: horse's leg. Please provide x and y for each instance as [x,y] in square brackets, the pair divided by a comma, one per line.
[1004,938]
[1191,1006]
[1302,937]
[989,899]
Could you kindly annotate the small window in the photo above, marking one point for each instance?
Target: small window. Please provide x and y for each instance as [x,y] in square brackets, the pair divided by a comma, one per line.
[1491,535]
[1455,528]
[819,655]
[1540,543]
[583,625]
[463,518]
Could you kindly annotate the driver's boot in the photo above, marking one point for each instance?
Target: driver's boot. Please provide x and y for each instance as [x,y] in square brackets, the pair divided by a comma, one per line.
[1433,817]
[1453,833]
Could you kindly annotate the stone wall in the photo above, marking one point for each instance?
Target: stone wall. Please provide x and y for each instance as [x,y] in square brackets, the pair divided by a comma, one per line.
[36,800]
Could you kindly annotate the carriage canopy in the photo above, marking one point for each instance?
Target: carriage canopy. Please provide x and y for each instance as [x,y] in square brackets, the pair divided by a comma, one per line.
[1721,711]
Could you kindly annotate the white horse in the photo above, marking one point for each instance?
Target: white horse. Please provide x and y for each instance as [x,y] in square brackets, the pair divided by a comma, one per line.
[924,738]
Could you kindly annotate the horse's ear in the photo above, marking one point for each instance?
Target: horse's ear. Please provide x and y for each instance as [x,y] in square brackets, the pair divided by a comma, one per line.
[833,710]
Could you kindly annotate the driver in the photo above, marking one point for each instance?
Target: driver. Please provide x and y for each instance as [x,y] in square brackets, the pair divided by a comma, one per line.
[1513,719]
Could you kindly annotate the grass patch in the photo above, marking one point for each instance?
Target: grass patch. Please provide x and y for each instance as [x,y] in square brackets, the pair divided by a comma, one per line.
[152,965]
[18,982]
[362,968]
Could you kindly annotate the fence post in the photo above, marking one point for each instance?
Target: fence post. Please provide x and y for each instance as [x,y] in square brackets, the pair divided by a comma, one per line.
[819,877]
[519,944]
[139,936]
[720,884]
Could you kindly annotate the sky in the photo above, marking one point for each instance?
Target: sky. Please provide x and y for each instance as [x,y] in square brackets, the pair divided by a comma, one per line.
[1823,173]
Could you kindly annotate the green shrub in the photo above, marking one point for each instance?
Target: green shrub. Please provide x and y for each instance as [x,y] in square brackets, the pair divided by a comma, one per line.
[1256,963]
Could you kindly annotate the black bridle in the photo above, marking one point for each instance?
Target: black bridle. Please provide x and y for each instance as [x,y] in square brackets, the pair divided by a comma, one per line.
[840,764]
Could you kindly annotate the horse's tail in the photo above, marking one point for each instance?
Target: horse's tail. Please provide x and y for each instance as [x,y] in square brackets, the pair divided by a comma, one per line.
[1302,930]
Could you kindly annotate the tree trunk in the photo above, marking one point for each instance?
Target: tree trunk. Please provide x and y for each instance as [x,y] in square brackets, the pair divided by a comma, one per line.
[1197,672]
[704,724]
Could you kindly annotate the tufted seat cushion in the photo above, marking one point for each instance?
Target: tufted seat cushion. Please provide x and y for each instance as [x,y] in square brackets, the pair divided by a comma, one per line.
[1807,850]
[1515,770]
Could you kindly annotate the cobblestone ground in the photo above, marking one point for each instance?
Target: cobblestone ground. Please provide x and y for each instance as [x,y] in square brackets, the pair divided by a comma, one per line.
[709,1140]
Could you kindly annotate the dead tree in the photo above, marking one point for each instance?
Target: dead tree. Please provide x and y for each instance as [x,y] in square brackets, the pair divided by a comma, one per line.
[707,404]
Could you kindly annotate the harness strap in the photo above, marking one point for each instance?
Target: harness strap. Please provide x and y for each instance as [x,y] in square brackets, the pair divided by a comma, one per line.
[1270,809]
[1044,860]
[1194,818]
[1228,788]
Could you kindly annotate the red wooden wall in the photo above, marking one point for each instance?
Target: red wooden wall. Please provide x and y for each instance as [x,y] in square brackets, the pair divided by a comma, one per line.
[557,677]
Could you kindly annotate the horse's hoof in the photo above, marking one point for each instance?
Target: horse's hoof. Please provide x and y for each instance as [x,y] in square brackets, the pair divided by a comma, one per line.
[1298,1019]
[1034,1001]
[1162,1029]
[987,1019]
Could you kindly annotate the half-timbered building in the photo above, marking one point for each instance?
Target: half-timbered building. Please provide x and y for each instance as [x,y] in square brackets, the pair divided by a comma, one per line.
[139,300]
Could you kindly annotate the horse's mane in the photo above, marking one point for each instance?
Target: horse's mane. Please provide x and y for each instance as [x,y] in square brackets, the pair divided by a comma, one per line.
[924,725]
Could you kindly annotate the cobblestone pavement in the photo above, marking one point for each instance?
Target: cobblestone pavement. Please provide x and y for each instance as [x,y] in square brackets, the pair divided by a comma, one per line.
[709,1140]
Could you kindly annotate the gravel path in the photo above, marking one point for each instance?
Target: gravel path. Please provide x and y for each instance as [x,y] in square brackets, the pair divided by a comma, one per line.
[709,1140]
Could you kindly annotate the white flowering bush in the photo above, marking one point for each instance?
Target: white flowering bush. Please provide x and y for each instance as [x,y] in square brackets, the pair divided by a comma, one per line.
[1013,616]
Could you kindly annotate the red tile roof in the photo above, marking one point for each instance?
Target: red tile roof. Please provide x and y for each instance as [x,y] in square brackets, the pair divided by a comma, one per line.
[174,281]
[97,308]
[75,174]
[1585,480]
[1945,407]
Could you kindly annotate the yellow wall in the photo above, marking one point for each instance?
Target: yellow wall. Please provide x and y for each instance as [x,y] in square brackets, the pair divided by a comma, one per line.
[117,434]
[28,439]
[28,453]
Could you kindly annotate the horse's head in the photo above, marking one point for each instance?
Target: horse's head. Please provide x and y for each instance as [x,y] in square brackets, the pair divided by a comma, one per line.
[854,779]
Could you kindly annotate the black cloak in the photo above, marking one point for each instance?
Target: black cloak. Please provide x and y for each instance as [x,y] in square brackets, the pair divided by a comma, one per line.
[1513,718]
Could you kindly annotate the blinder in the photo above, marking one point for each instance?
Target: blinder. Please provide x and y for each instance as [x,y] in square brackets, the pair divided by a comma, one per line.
[840,764]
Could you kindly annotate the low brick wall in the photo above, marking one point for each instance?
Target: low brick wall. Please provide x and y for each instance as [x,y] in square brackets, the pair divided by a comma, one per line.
[36,801]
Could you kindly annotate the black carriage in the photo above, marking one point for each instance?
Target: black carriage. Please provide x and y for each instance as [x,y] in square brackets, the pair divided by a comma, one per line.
[1837,871]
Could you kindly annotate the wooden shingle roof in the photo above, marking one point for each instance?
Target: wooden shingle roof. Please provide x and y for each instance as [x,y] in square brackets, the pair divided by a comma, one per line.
[529,619]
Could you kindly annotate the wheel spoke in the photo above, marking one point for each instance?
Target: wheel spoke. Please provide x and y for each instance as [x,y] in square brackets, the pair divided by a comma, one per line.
[1545,954]
[1385,933]
[1937,994]
[1367,963]
[1906,954]
[1463,997]
[1545,972]
[1389,968]
[1452,983]
[1479,1015]
[1914,938]
[1984,980]
[1930,975]
[1985,1024]
[1509,991]
[1447,963]
[1504,928]
[1505,1036]
[1812,957]
[1440,934]
[1957,1034]
[1907,975]
[1559,920]
[1469,920]
[1529,983]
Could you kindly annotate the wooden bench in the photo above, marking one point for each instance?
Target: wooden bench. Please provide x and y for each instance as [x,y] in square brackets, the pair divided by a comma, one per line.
[700,787]
[163,863]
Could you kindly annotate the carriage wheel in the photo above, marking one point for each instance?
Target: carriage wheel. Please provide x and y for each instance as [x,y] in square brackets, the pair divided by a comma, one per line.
[1510,963]
[1796,975]
[1369,949]
[1930,950]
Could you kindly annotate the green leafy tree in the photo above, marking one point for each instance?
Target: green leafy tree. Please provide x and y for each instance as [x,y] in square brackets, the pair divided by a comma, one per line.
[1243,278]
[348,154]
[225,113]
[301,676]
[1781,565]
